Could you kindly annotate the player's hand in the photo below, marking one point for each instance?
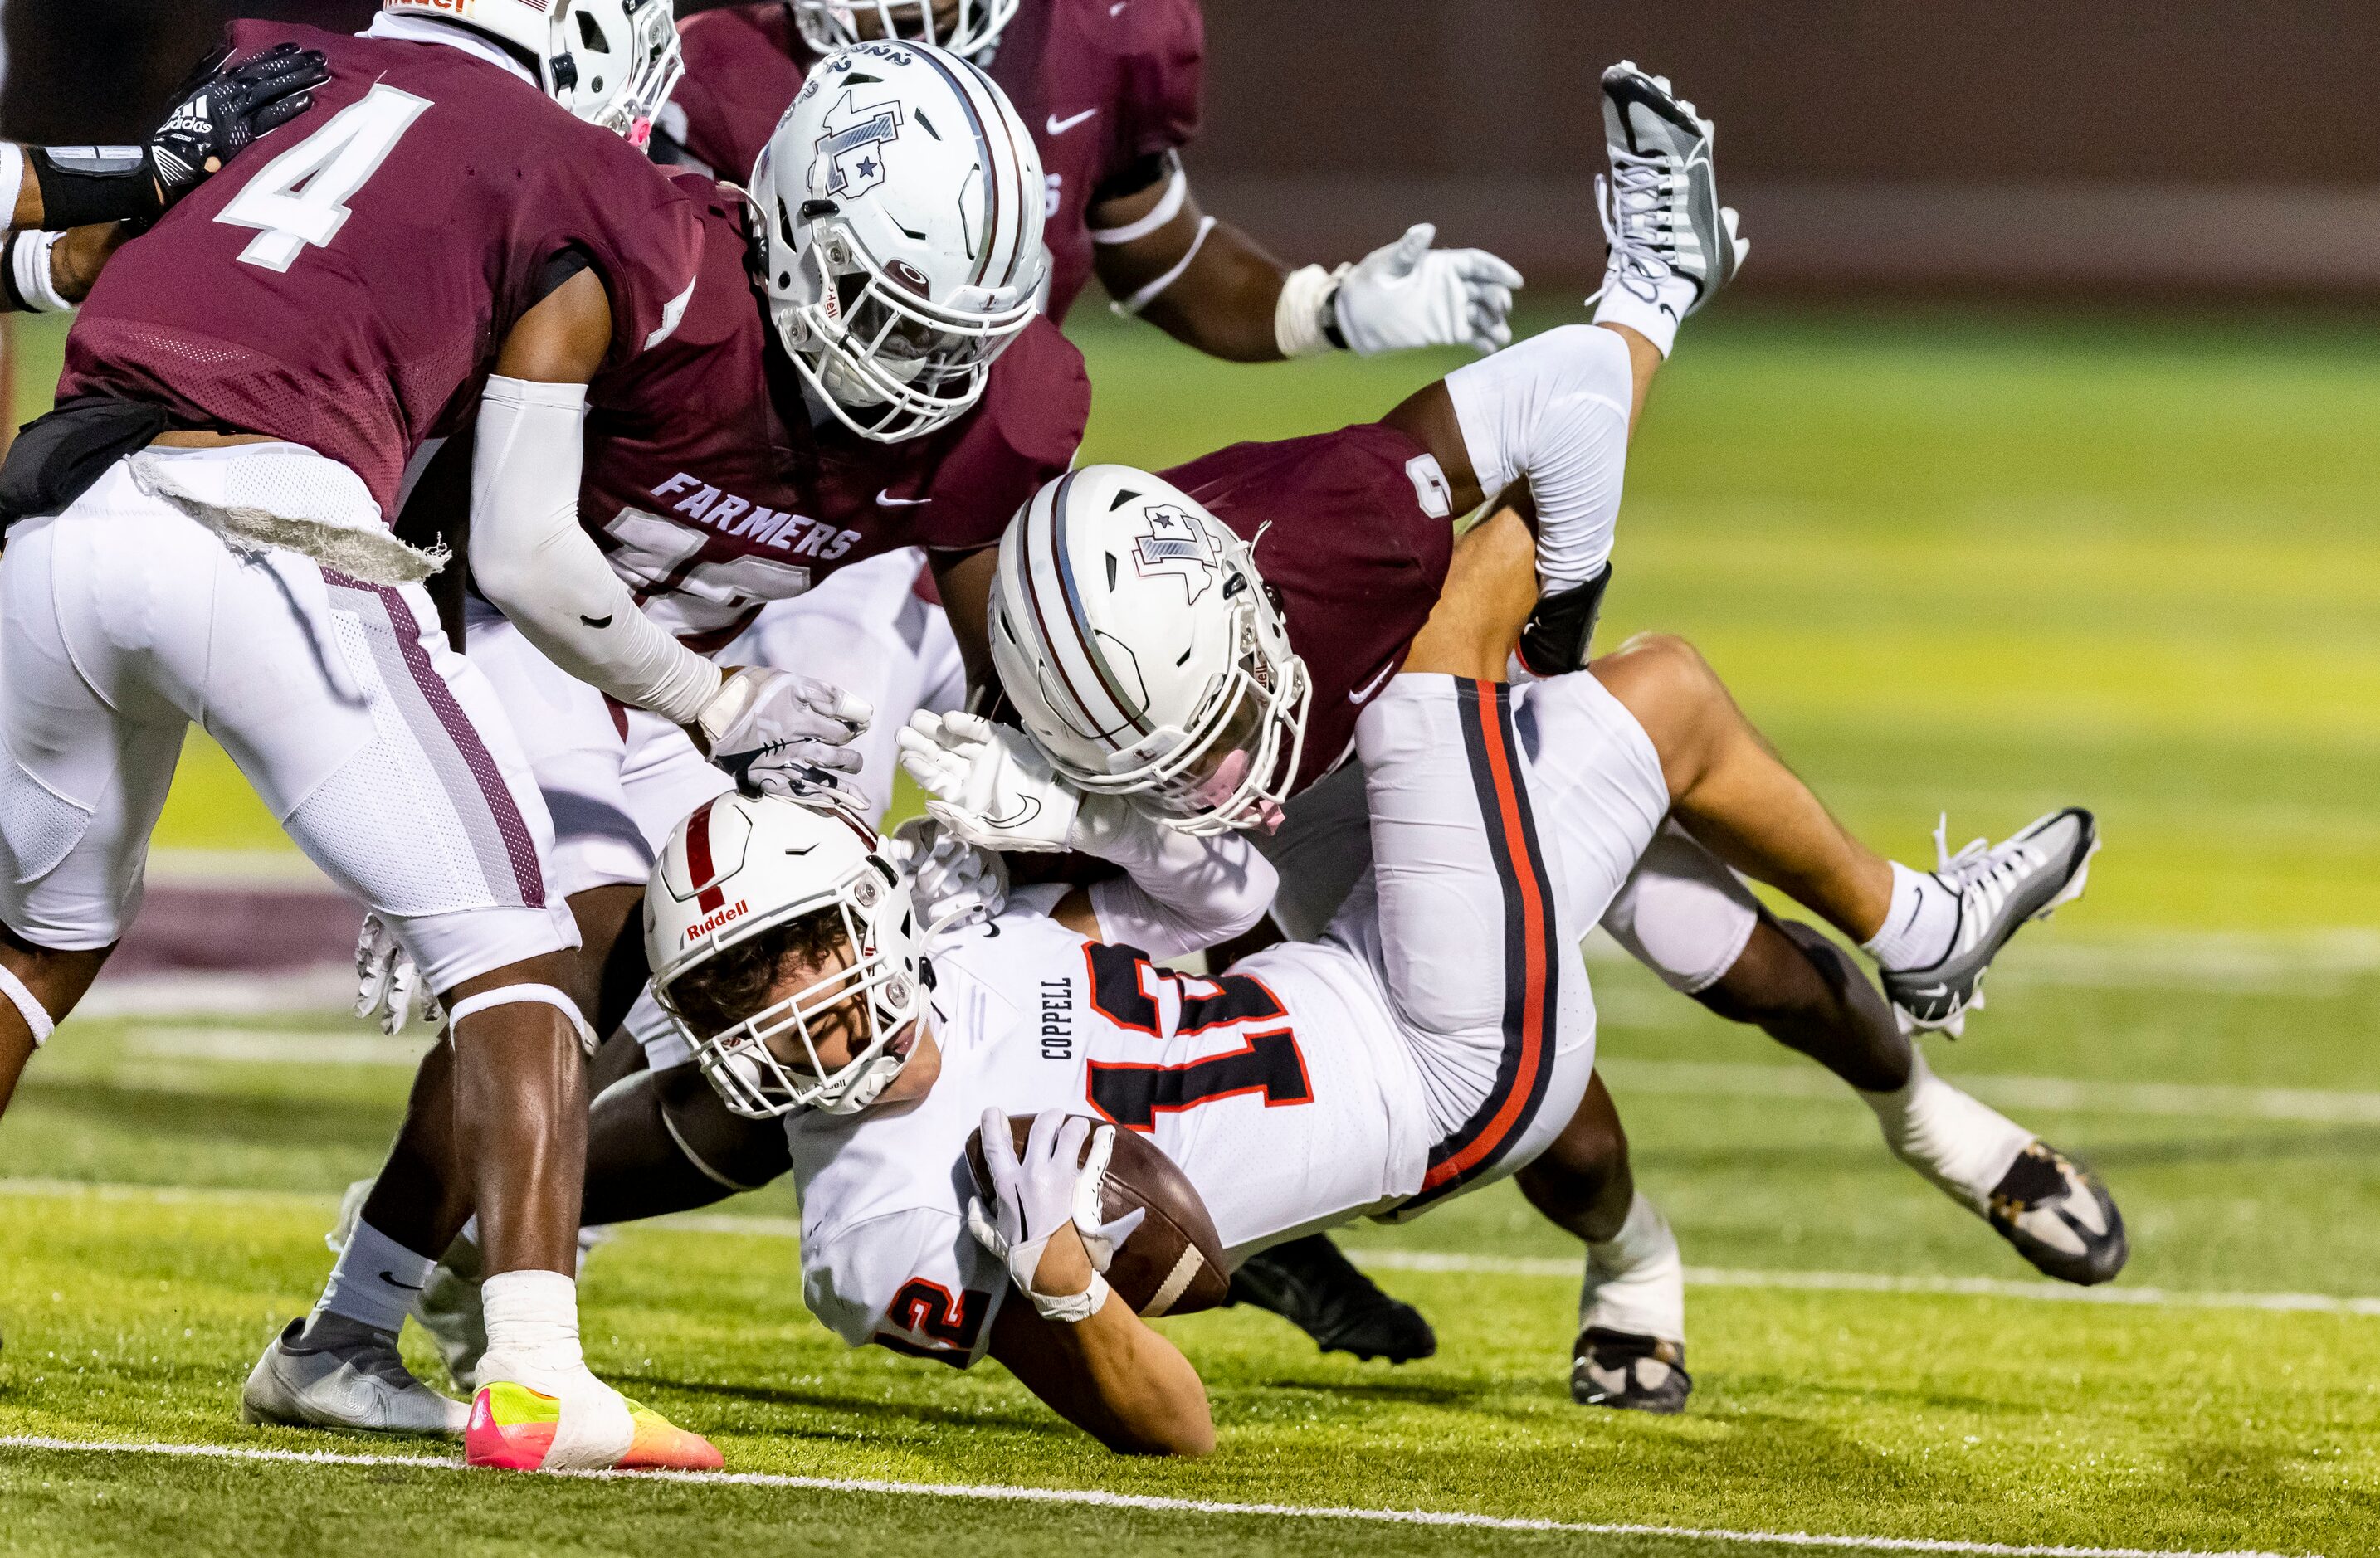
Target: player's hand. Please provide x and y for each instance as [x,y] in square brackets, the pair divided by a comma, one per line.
[1408,293]
[951,883]
[1036,1197]
[388,985]
[988,784]
[782,735]
[226,111]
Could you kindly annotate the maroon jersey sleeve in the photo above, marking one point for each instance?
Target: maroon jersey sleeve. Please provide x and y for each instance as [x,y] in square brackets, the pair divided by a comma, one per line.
[1342,536]
[1025,432]
[743,67]
[347,282]
[1164,73]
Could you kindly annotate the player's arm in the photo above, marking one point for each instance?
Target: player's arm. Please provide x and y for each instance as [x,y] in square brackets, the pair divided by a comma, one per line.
[220,110]
[991,787]
[50,273]
[1064,1333]
[1209,285]
[963,581]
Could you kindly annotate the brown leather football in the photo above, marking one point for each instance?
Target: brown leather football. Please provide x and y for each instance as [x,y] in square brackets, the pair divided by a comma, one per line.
[1172,1263]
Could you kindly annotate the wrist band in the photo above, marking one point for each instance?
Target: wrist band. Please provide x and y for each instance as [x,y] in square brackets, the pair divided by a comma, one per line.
[1177,190]
[81,184]
[1298,319]
[1072,1308]
[32,289]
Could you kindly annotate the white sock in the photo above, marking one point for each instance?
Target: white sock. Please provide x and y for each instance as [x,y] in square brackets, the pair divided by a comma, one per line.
[1620,306]
[1636,1279]
[375,1281]
[1957,1141]
[1919,924]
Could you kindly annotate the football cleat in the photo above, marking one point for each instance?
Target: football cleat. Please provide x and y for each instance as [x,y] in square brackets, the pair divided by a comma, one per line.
[360,1384]
[514,1428]
[1660,206]
[1308,1283]
[2060,1217]
[1629,1374]
[2000,888]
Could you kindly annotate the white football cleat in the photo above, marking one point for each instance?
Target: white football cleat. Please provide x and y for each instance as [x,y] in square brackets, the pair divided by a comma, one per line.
[1660,206]
[2000,888]
[360,1384]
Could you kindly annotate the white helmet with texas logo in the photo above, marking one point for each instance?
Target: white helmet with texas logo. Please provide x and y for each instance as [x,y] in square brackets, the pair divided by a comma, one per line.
[744,869]
[1144,653]
[901,204]
[612,63]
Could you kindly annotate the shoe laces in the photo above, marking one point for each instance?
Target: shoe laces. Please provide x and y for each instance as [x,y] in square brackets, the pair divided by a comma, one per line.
[1632,204]
[1980,872]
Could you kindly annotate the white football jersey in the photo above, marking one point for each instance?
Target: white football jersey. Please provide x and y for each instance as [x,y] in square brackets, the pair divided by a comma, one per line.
[1284,1091]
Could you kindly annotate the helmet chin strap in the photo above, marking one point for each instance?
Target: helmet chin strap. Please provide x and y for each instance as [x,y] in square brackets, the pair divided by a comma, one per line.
[865,1088]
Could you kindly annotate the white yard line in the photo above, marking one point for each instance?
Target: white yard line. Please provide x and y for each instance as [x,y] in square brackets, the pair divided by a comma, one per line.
[1753,1080]
[1095,1498]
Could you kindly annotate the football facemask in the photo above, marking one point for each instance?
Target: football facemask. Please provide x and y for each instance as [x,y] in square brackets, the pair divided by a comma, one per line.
[967,28]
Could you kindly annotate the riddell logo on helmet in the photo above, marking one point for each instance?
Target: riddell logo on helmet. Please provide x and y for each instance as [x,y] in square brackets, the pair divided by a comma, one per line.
[710,923]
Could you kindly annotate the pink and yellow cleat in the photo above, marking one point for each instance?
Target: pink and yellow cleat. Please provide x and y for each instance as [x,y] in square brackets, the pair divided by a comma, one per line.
[513,1426]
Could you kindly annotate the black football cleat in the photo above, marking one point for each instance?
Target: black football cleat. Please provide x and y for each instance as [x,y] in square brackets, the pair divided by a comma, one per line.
[1308,1283]
[1629,1374]
[2060,1217]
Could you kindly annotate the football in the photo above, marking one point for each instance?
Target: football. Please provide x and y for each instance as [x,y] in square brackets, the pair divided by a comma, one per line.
[1174,1261]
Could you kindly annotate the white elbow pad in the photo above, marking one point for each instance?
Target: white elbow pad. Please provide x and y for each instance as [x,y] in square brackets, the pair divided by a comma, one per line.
[531,559]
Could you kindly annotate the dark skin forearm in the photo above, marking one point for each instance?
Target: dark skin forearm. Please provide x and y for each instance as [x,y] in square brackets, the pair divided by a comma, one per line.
[1223,305]
[963,581]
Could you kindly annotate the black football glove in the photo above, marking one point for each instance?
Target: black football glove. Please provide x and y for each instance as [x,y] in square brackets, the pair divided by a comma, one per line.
[228,110]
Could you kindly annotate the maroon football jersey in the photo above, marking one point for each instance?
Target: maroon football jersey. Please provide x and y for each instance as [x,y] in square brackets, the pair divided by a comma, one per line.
[1341,534]
[1102,84]
[347,283]
[712,491]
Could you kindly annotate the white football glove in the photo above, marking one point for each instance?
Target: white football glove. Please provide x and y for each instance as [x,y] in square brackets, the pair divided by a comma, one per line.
[783,734]
[951,883]
[388,986]
[1408,293]
[1037,1195]
[988,784]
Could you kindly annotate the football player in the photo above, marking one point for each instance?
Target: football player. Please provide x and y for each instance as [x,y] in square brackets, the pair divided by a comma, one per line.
[200,532]
[1349,533]
[862,324]
[1110,94]
[1438,1037]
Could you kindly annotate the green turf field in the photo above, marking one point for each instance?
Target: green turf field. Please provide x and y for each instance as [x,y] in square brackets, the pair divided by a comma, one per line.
[1947,562]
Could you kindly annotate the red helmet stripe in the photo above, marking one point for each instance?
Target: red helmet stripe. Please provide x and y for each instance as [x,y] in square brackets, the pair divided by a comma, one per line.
[708,894]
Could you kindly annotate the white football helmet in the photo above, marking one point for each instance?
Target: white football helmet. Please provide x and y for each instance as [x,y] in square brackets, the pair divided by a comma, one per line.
[902,201]
[612,63]
[740,867]
[969,28]
[1132,631]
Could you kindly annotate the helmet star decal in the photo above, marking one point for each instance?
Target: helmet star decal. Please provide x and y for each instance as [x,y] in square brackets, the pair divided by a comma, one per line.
[1176,544]
[852,148]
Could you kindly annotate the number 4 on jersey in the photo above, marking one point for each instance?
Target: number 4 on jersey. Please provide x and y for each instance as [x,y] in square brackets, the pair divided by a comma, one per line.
[300,198]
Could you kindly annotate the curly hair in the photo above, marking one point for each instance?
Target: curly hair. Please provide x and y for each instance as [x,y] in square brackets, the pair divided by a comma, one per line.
[723,991]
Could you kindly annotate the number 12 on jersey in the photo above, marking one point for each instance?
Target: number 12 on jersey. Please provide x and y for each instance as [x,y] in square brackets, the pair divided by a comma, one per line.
[300,198]
[1131,992]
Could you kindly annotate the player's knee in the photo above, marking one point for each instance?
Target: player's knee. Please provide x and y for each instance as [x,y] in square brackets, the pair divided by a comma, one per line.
[1664,681]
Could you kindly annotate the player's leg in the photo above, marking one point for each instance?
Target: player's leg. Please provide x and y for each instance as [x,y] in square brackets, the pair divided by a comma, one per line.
[1631,1347]
[390,762]
[1693,921]
[87,753]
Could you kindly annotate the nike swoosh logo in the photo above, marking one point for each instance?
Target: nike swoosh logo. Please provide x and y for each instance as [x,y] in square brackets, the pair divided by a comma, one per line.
[390,1277]
[1060,126]
[886,498]
[604,621]
[1362,695]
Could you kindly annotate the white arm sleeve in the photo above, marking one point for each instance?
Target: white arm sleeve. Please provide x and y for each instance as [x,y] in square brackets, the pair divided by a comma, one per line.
[1554,408]
[536,565]
[1179,894]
